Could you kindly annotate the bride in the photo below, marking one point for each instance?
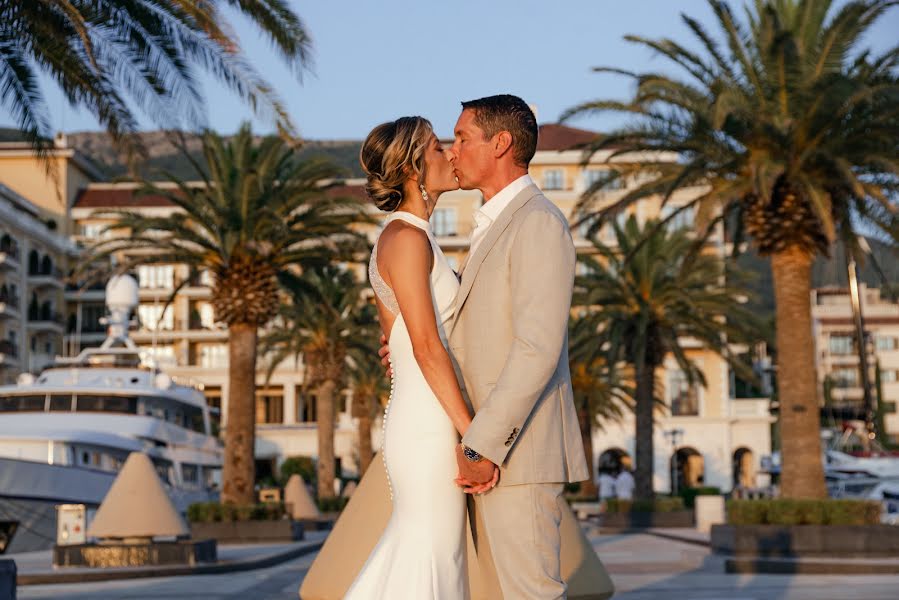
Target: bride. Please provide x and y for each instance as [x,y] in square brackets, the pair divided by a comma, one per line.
[421,553]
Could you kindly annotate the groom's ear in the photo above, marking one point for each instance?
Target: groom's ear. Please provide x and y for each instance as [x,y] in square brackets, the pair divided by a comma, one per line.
[502,143]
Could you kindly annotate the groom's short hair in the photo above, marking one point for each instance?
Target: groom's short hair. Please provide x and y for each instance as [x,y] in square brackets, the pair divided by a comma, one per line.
[506,112]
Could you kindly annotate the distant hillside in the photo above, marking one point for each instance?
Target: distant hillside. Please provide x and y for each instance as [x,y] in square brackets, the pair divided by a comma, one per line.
[165,157]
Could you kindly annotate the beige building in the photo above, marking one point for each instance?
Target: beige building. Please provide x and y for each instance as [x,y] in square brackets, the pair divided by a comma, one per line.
[837,354]
[719,431]
[33,260]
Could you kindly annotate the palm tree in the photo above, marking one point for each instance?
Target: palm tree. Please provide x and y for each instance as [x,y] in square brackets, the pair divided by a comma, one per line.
[324,325]
[107,55]
[791,131]
[256,215]
[369,386]
[601,394]
[645,296]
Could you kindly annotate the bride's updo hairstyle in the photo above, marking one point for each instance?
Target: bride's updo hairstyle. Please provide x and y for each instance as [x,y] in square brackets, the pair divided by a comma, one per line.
[391,154]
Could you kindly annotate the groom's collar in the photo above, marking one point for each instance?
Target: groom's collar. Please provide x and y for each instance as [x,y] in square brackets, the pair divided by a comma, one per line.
[493,207]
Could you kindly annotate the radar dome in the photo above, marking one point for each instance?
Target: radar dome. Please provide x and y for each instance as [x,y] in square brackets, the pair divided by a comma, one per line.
[122,292]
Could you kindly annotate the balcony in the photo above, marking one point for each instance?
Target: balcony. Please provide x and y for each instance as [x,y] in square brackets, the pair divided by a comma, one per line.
[9,354]
[9,305]
[9,254]
[46,278]
[46,320]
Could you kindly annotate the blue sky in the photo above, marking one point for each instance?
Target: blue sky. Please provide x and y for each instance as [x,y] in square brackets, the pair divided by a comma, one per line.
[375,60]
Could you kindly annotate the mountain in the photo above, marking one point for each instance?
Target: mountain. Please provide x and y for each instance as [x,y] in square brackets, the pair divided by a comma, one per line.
[164,156]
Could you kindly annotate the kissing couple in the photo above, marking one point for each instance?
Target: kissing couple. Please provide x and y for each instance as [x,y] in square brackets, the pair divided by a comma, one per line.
[481,357]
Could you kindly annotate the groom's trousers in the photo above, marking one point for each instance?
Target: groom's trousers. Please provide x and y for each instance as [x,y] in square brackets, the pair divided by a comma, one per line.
[516,536]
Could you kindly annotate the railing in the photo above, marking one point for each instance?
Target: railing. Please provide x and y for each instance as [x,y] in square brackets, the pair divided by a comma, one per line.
[45,315]
[54,272]
[8,348]
[9,299]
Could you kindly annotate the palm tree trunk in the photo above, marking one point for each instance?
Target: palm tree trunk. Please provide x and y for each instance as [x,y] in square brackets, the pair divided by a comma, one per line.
[324,398]
[643,434]
[366,452]
[588,487]
[240,470]
[802,473]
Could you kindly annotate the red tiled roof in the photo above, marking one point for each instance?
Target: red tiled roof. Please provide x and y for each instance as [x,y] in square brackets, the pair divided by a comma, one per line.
[556,137]
[105,197]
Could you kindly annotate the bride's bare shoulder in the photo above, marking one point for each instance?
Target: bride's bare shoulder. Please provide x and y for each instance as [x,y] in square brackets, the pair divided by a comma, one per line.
[399,237]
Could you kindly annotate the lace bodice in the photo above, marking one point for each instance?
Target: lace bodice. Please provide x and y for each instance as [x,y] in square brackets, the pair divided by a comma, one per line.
[382,290]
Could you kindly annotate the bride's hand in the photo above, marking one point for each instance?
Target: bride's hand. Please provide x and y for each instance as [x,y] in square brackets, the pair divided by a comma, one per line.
[470,487]
[384,353]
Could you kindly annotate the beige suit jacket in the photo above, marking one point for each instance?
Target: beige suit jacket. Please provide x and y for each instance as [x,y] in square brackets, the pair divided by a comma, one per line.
[509,340]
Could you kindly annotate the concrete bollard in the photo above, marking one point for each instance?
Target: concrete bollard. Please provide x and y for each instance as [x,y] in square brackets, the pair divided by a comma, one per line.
[709,511]
[7,579]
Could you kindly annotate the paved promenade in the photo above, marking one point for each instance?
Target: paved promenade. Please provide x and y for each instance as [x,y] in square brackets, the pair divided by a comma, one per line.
[644,567]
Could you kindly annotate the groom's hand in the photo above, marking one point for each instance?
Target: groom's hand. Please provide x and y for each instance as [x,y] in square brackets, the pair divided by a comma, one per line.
[474,474]
[384,353]
[478,488]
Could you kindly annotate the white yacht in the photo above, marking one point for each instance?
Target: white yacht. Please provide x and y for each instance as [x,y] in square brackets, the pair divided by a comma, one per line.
[66,432]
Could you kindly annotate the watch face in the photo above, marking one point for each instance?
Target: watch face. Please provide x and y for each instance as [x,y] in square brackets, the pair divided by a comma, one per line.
[471,454]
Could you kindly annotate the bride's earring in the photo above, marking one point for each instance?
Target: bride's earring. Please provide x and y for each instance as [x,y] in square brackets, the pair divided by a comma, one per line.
[424,195]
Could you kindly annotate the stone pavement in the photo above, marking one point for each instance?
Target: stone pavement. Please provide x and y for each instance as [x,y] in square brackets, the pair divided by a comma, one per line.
[643,566]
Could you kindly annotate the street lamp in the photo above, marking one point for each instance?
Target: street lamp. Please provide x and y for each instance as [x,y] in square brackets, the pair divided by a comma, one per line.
[675,436]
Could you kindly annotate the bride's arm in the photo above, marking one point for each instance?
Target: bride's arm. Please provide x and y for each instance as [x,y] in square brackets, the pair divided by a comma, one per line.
[408,264]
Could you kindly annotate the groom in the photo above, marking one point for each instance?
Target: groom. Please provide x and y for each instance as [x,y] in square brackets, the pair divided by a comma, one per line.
[509,341]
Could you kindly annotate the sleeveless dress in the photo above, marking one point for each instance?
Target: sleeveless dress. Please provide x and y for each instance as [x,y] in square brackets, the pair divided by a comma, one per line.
[421,554]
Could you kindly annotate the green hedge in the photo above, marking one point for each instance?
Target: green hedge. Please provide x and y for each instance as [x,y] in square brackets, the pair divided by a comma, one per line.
[334,504]
[689,494]
[304,466]
[782,511]
[660,504]
[210,512]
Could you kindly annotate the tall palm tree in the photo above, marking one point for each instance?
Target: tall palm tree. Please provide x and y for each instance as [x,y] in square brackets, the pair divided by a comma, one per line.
[256,215]
[791,131]
[370,388]
[322,324]
[601,394]
[646,295]
[106,55]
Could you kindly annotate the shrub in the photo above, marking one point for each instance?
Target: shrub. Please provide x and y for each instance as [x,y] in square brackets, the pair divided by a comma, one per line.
[783,511]
[334,504]
[661,504]
[689,494]
[304,466]
[211,512]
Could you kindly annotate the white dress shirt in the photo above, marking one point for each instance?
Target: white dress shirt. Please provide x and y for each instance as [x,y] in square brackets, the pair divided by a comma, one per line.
[490,211]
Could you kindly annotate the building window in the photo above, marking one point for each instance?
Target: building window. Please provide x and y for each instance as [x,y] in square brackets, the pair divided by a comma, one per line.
[305,406]
[845,378]
[270,405]
[553,179]
[591,176]
[841,343]
[155,277]
[444,221]
[94,231]
[886,343]
[683,398]
[163,354]
[153,318]
[683,219]
[214,356]
[889,376]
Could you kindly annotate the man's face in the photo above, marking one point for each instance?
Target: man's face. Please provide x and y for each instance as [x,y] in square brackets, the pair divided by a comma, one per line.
[472,153]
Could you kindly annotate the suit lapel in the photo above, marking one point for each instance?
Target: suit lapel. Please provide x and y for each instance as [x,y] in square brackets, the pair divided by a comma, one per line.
[472,263]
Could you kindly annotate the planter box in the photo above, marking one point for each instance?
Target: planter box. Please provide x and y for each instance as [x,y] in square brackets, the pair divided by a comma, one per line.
[850,541]
[644,520]
[229,532]
[182,552]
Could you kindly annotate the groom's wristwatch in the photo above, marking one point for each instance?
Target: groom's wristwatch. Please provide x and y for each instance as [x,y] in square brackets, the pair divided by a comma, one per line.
[470,454]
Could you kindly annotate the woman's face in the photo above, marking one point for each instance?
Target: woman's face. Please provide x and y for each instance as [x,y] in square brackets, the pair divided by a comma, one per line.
[439,170]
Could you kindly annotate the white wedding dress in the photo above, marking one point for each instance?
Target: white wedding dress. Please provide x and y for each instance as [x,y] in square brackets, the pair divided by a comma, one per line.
[421,554]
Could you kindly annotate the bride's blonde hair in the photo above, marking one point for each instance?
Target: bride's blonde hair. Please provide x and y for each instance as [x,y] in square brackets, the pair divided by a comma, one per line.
[391,154]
